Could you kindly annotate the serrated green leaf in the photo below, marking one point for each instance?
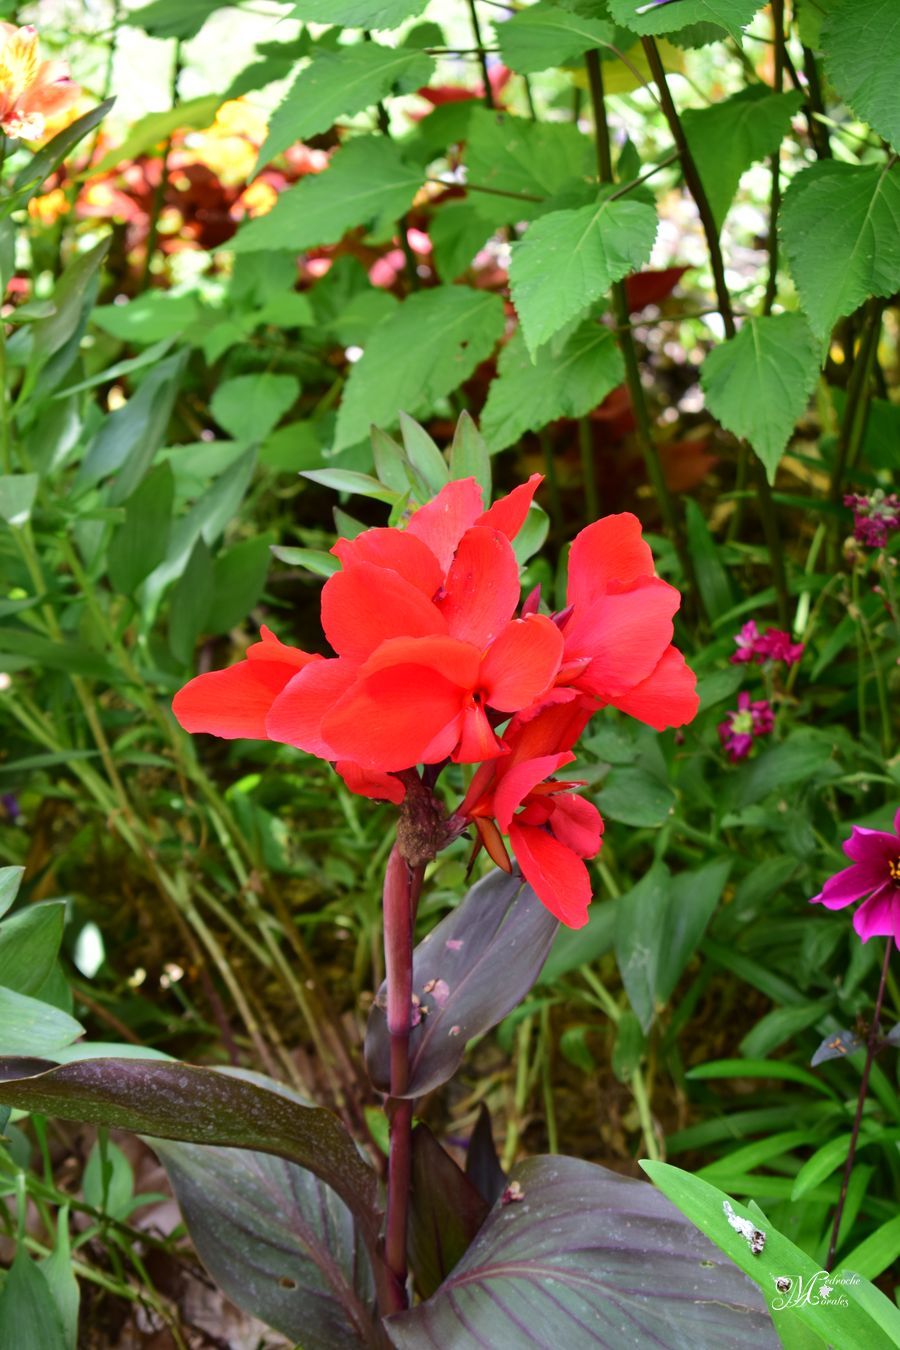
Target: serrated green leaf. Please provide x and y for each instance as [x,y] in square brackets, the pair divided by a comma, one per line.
[249,406]
[530,161]
[731,15]
[569,259]
[565,380]
[339,84]
[365,180]
[861,43]
[417,355]
[545,35]
[457,231]
[840,226]
[358,13]
[758,383]
[728,137]
[173,18]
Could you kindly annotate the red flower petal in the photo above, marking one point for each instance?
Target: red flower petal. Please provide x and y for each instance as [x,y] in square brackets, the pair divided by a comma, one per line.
[626,633]
[382,787]
[442,522]
[296,715]
[235,702]
[508,513]
[667,698]
[612,549]
[398,550]
[516,783]
[521,663]
[271,648]
[554,726]
[365,605]
[477,740]
[559,878]
[577,824]
[482,587]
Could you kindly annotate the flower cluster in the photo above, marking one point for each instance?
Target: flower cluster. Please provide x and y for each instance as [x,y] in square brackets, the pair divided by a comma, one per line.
[874,517]
[31,90]
[435,661]
[742,726]
[875,874]
[771,646]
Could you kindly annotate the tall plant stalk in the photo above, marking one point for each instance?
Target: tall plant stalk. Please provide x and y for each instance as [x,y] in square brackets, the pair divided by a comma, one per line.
[872,1044]
[726,310]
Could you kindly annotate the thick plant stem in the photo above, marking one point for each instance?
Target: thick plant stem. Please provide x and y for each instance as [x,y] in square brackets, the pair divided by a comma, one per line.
[625,337]
[723,300]
[400,886]
[872,1042]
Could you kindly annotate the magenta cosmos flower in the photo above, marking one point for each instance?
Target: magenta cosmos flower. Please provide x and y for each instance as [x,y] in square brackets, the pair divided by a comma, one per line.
[743,724]
[875,874]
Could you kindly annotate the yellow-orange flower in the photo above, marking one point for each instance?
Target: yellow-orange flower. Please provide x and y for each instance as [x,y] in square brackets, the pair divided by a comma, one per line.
[48,208]
[31,90]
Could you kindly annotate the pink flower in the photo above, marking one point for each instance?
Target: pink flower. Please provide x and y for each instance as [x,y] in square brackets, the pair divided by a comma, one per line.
[875,873]
[874,517]
[772,645]
[741,726]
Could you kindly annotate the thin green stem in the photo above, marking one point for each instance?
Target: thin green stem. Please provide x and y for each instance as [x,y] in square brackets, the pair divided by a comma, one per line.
[775,194]
[482,56]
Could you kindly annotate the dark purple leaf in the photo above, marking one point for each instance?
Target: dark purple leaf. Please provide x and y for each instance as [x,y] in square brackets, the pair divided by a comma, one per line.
[468,973]
[446,1212]
[482,1164]
[199,1106]
[836,1045]
[277,1240]
[575,1256]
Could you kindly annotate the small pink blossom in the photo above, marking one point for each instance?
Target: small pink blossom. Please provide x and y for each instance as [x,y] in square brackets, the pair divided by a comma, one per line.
[875,874]
[744,724]
[772,645]
[874,517]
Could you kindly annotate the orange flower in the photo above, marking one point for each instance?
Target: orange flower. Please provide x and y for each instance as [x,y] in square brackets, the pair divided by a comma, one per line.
[31,90]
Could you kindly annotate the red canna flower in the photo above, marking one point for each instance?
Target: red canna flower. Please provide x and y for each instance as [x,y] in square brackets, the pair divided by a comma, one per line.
[551,830]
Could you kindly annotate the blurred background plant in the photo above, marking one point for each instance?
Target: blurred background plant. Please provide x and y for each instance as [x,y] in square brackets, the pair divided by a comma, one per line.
[215,288]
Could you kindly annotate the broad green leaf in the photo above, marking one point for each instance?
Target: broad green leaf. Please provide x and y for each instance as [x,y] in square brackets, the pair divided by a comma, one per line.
[855,1314]
[726,138]
[545,35]
[32,176]
[821,1165]
[148,357]
[780,1025]
[533,534]
[173,18]
[69,299]
[191,601]
[238,580]
[200,1106]
[156,128]
[392,468]
[17,494]
[338,84]
[806,754]
[148,318]
[129,438]
[57,1271]
[861,42]
[566,379]
[758,383]
[876,1252]
[29,1317]
[428,464]
[457,231]
[314,560]
[248,407]
[418,355]
[840,225]
[529,161]
[714,587]
[358,13]
[29,945]
[348,480]
[140,542]
[588,1258]
[636,796]
[292,310]
[469,456]
[30,1027]
[108,1181]
[10,881]
[367,179]
[730,15]
[581,946]
[569,259]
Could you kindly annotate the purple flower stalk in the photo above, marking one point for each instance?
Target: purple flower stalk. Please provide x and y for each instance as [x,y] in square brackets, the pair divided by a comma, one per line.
[875,873]
[874,517]
[743,725]
[772,645]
